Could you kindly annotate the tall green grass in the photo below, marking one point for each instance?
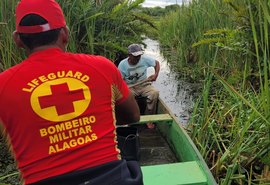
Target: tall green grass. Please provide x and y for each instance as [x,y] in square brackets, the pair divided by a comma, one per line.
[187,26]
[104,28]
[96,27]
[228,42]
[8,52]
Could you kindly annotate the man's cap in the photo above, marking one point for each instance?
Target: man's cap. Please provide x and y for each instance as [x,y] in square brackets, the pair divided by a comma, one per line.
[50,10]
[135,50]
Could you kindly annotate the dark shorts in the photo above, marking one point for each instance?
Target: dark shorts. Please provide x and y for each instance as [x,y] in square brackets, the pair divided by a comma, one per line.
[114,173]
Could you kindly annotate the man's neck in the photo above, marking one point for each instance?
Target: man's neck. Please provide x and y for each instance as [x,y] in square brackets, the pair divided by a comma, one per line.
[40,48]
[132,62]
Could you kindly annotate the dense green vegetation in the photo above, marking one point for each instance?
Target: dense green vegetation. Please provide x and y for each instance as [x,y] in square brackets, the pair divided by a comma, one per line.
[225,45]
[97,27]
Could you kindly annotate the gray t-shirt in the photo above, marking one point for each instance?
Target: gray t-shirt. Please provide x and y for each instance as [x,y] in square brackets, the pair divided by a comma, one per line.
[136,73]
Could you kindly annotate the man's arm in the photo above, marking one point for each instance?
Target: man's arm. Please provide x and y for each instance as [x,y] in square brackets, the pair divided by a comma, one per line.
[154,76]
[128,111]
[1,128]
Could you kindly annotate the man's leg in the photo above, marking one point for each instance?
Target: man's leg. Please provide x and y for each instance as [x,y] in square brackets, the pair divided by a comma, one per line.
[152,97]
[141,101]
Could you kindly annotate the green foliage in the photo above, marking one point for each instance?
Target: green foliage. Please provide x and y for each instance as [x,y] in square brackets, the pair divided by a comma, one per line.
[227,44]
[187,26]
[156,11]
[229,39]
[105,28]
[266,159]
[96,27]
[195,33]
[160,12]
[9,54]
[9,175]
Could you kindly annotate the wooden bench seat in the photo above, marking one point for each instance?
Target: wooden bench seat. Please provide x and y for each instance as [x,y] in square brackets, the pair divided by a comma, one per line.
[154,118]
[174,174]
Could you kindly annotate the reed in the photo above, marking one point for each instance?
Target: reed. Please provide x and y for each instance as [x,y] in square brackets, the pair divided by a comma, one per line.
[227,43]
[96,27]
[187,26]
[104,28]
[9,54]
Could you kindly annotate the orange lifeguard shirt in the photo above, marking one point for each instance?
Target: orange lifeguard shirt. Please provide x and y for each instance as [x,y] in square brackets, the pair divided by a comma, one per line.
[58,112]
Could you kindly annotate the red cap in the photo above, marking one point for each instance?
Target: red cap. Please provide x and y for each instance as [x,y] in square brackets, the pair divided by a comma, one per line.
[48,9]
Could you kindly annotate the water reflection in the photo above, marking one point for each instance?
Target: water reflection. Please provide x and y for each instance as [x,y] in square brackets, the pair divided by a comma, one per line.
[176,93]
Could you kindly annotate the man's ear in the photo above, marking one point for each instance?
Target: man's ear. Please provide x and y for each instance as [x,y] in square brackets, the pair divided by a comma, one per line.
[64,34]
[17,39]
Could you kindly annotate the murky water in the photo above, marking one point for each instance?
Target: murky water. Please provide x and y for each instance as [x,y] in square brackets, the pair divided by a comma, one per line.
[176,93]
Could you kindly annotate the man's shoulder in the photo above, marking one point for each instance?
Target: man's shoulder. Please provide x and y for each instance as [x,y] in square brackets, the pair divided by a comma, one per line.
[88,56]
[91,59]
[123,63]
[7,75]
[12,70]
[147,58]
[124,60]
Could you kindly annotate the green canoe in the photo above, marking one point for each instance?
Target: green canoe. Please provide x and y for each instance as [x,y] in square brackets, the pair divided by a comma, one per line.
[188,167]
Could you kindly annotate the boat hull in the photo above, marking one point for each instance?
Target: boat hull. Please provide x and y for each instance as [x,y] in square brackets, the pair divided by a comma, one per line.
[190,167]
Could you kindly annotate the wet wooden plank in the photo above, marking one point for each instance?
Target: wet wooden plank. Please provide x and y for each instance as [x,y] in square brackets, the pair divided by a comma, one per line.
[155,118]
[153,148]
[174,174]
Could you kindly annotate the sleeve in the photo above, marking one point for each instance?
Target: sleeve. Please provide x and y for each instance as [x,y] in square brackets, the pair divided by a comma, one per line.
[5,77]
[121,90]
[121,68]
[150,61]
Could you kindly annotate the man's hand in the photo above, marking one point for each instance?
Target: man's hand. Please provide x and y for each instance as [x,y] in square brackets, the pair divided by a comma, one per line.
[152,78]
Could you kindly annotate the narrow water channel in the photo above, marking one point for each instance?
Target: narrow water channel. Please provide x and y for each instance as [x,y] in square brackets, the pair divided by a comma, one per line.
[176,93]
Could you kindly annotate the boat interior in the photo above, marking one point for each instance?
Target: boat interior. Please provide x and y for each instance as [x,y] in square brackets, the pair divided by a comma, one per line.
[166,163]
[154,149]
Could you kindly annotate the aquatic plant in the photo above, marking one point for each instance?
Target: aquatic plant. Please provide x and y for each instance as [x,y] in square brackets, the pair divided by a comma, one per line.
[97,27]
[225,44]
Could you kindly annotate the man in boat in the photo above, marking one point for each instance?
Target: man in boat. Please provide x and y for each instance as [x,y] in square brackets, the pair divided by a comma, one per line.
[59,109]
[134,72]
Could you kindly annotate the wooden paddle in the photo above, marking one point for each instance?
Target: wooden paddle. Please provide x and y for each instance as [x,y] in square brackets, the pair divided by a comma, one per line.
[139,83]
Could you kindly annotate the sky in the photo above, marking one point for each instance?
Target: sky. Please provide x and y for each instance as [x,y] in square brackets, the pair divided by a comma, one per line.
[161,3]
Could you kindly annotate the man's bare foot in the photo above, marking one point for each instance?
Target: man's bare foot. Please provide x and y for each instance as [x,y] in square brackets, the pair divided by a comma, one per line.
[150,125]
